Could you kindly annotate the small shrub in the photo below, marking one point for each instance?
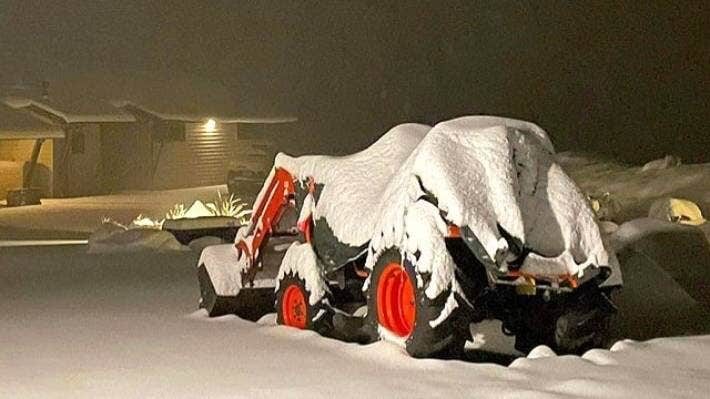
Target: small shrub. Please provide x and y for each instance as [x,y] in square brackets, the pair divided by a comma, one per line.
[176,212]
[223,205]
[229,206]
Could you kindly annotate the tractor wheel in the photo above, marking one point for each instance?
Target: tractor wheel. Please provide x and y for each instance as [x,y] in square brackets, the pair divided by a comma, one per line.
[582,323]
[293,307]
[399,306]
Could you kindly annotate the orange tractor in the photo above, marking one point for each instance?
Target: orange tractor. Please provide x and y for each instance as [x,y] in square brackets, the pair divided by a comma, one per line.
[418,236]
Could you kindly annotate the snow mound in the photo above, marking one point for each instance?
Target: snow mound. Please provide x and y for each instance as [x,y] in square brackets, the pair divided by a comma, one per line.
[196,210]
[669,161]
[111,237]
[541,351]
[636,190]
[636,230]
[199,244]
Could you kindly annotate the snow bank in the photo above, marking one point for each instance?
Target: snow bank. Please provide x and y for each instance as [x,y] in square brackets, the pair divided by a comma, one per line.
[660,368]
[634,190]
[111,237]
[64,313]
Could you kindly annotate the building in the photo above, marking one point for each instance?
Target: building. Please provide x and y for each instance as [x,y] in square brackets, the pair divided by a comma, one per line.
[134,140]
[20,133]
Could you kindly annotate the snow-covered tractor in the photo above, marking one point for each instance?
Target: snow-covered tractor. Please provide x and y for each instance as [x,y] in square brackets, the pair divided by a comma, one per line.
[420,235]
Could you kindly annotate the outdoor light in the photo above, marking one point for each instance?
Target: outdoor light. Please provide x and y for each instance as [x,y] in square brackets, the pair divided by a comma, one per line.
[210,126]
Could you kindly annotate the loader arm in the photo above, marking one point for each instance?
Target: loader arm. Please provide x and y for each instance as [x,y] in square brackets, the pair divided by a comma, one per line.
[279,194]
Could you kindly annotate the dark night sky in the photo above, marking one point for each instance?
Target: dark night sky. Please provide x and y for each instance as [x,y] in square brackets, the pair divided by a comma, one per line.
[624,79]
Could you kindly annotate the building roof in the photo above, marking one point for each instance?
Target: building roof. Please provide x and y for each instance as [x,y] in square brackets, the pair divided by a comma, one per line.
[19,124]
[79,109]
[130,106]
[96,98]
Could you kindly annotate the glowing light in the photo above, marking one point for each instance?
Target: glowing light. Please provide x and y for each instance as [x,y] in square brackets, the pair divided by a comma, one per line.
[210,126]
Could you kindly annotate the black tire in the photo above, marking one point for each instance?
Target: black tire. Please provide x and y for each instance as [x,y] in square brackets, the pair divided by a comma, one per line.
[322,324]
[446,340]
[584,325]
[576,325]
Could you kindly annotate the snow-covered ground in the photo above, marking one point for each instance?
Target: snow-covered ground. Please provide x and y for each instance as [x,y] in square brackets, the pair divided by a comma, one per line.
[83,325]
[634,188]
[79,217]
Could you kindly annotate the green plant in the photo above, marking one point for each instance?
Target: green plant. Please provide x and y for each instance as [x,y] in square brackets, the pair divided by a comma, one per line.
[230,206]
[176,212]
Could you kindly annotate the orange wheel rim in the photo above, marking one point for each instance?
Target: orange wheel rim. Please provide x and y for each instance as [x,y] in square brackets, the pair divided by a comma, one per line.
[293,307]
[396,306]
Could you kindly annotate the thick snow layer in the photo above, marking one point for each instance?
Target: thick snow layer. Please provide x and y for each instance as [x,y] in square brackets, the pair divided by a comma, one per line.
[196,210]
[107,326]
[425,234]
[223,267]
[502,175]
[353,183]
[486,173]
[483,171]
[301,261]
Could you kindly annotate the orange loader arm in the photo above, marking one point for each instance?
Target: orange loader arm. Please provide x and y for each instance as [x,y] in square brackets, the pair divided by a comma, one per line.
[269,208]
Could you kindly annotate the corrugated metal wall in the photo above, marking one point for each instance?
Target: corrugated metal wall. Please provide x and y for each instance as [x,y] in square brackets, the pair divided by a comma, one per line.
[119,157]
[202,159]
[211,152]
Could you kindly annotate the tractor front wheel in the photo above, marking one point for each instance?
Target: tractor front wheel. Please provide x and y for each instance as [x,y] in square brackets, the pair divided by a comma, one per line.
[293,307]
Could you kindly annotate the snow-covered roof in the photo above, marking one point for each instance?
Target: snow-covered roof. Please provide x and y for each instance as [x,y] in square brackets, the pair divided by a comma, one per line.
[79,109]
[97,97]
[199,117]
[18,124]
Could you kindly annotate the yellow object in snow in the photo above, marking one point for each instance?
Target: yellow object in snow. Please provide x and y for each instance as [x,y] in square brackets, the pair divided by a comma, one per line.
[678,211]
[527,286]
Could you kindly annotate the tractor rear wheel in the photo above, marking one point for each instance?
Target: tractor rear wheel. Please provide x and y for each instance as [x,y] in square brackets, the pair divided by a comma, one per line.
[400,307]
[578,324]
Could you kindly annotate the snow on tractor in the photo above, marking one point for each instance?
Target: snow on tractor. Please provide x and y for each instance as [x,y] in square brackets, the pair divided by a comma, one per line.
[416,237]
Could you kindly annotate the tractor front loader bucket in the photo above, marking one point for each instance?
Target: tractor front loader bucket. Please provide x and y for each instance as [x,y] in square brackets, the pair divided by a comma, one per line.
[249,303]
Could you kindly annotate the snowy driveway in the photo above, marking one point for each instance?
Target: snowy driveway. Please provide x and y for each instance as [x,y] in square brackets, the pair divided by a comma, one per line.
[124,326]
